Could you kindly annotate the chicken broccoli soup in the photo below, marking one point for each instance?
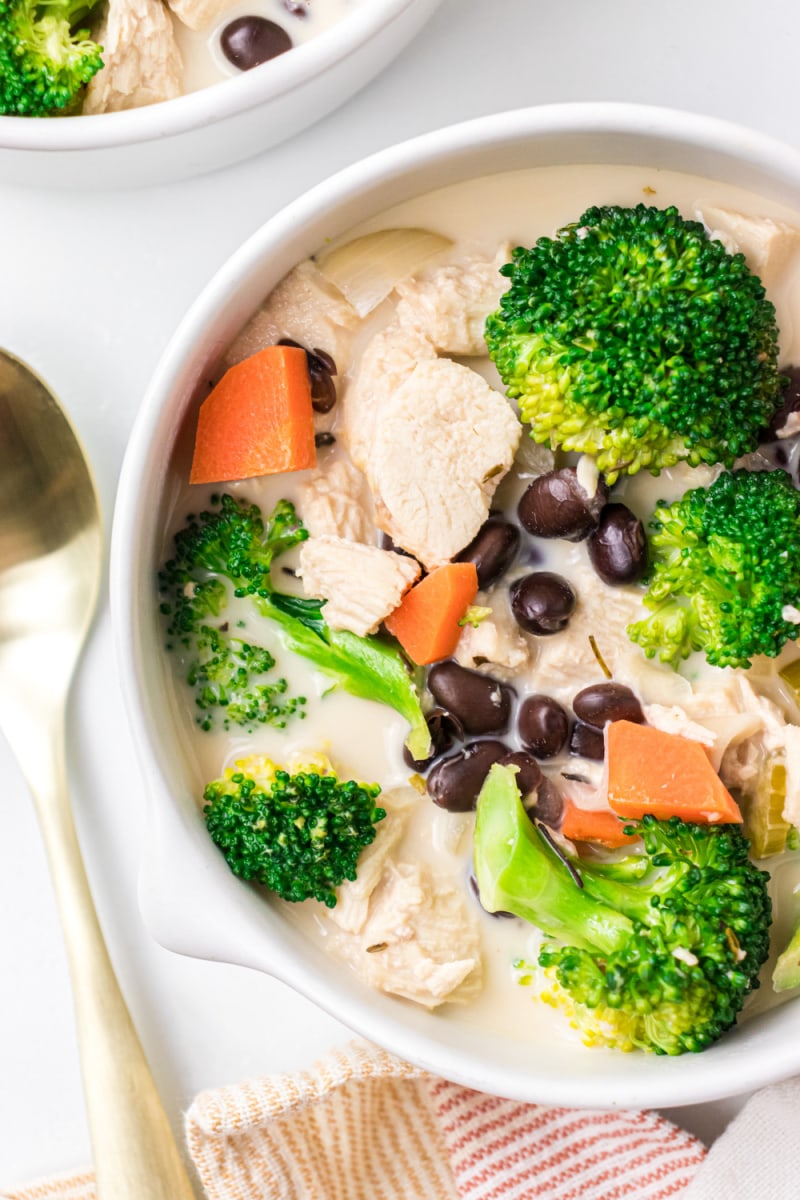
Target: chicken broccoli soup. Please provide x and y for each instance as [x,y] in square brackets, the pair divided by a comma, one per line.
[481,600]
[70,57]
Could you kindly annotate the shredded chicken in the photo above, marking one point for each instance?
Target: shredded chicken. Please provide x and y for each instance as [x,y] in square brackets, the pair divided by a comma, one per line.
[405,929]
[336,502]
[419,939]
[361,584]
[305,308]
[673,719]
[142,63]
[450,304]
[444,441]
[496,644]
[353,897]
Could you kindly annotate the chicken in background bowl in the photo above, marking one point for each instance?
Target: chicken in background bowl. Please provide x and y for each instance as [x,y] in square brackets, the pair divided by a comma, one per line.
[538,707]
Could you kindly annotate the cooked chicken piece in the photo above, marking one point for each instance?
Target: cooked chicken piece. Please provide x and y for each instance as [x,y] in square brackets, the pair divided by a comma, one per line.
[419,939]
[565,661]
[361,584]
[760,737]
[444,441]
[336,502]
[767,244]
[353,898]
[450,304]
[388,360]
[199,14]
[401,927]
[142,61]
[496,642]
[305,308]
[673,719]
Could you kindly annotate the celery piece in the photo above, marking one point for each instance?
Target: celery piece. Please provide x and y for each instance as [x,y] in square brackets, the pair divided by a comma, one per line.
[763,812]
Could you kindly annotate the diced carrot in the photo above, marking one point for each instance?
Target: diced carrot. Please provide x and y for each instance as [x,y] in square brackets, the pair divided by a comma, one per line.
[258,420]
[593,825]
[650,771]
[425,622]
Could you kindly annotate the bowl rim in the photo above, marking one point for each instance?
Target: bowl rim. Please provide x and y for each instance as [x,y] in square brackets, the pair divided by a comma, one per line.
[718,1072]
[210,105]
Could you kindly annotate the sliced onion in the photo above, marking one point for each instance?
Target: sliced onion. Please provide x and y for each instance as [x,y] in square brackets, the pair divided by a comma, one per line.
[369,268]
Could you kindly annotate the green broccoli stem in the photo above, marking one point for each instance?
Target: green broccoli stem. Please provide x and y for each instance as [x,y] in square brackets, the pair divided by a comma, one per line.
[519,872]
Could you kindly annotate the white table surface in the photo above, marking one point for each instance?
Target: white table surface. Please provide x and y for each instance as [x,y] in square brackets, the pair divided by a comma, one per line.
[91,286]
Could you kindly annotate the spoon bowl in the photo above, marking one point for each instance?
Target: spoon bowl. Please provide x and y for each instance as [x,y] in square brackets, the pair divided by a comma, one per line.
[51,558]
[51,552]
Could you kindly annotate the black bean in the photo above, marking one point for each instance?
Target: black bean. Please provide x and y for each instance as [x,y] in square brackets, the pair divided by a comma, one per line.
[323,391]
[556,505]
[476,891]
[320,369]
[482,704]
[386,543]
[324,439]
[790,403]
[249,41]
[603,702]
[455,781]
[325,361]
[445,731]
[529,773]
[543,726]
[493,549]
[542,602]
[587,741]
[618,547]
[549,805]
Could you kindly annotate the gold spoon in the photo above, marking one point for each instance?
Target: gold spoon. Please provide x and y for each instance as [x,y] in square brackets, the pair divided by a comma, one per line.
[51,553]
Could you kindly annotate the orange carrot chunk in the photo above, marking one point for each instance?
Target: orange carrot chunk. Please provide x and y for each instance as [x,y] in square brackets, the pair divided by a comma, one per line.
[593,825]
[650,771]
[425,622]
[258,420]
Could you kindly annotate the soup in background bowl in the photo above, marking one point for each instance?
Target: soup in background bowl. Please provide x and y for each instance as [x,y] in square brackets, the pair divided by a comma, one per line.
[455,990]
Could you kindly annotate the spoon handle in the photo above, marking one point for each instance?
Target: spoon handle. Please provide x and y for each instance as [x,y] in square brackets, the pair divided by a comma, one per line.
[135,1154]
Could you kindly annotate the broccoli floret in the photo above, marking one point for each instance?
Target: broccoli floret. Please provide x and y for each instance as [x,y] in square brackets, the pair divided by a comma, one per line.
[46,55]
[232,547]
[725,563]
[230,674]
[300,834]
[227,549]
[659,949]
[632,336]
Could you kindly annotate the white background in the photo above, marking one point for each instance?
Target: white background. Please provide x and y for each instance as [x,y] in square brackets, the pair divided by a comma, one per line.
[91,286]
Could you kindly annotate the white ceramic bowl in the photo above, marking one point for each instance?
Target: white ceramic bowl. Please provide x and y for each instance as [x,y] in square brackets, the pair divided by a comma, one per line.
[219,125]
[191,902]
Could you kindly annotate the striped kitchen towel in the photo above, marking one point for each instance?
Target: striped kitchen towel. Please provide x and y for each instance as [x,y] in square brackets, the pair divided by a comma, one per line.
[363,1125]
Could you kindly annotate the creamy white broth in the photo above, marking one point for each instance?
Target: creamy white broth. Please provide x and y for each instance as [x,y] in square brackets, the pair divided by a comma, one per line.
[364,739]
[204,63]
